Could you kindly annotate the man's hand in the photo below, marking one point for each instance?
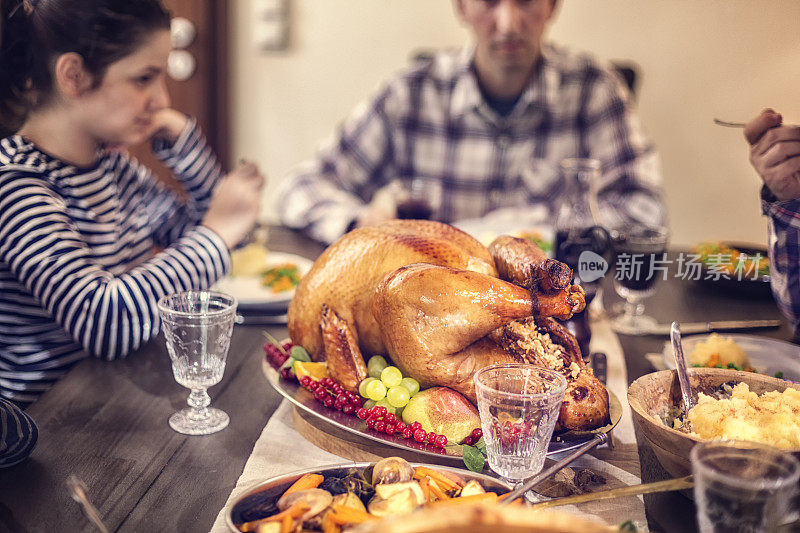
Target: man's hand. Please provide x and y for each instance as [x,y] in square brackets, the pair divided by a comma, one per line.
[775,153]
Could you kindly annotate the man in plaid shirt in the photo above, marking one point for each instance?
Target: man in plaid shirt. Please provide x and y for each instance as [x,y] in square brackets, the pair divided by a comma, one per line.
[490,123]
[775,154]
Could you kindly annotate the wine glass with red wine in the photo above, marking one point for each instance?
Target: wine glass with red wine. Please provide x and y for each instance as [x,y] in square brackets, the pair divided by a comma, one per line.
[640,254]
[418,198]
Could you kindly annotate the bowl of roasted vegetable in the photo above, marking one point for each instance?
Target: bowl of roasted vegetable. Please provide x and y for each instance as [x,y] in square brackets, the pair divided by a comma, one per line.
[342,496]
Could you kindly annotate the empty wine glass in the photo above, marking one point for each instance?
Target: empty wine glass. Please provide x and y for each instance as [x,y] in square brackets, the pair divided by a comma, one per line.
[640,252]
[197,326]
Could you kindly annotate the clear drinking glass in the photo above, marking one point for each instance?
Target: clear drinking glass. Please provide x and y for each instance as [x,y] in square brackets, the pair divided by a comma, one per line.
[197,326]
[519,405]
[418,198]
[743,486]
[638,251]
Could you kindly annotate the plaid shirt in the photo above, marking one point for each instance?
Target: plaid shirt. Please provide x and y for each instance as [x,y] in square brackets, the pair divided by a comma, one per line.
[432,120]
[784,253]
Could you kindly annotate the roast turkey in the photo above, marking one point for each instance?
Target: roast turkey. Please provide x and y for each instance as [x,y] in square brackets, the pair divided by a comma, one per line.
[431,297]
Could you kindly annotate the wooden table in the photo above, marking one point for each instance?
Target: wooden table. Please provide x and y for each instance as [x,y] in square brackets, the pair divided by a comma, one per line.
[107,424]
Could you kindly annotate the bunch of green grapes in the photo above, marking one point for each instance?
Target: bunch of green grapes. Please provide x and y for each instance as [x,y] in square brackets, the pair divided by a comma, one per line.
[386,385]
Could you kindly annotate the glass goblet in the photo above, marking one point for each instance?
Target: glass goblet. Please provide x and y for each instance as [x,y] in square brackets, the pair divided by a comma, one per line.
[519,404]
[638,251]
[197,326]
[418,198]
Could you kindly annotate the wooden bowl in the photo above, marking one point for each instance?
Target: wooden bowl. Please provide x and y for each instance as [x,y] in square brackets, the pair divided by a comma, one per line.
[650,395]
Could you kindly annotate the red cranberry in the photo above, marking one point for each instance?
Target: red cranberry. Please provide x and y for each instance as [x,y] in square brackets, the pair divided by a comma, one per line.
[432,437]
[286,373]
[469,441]
[371,421]
[390,418]
[313,386]
[477,433]
[400,426]
[408,432]
[380,426]
[329,401]
[348,409]
[420,435]
[390,429]
[305,380]
[416,425]
[379,410]
[338,405]
[362,414]
[441,441]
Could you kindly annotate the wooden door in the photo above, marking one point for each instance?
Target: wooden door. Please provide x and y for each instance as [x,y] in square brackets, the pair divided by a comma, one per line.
[205,94]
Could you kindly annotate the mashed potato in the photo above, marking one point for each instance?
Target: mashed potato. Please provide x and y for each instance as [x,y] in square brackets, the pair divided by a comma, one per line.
[718,350]
[772,418]
[249,260]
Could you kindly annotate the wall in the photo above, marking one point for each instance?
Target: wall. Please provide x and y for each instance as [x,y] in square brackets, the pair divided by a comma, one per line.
[698,59]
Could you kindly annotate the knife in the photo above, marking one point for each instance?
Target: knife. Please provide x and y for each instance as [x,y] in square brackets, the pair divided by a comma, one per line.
[705,327]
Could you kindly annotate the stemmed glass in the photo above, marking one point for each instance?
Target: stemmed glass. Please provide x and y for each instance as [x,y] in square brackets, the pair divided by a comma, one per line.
[638,251]
[418,198]
[519,404]
[197,326]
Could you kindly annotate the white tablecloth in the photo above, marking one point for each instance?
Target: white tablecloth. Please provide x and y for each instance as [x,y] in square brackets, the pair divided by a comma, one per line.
[281,449]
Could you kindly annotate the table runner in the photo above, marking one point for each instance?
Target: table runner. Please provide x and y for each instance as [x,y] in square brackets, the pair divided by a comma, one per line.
[281,449]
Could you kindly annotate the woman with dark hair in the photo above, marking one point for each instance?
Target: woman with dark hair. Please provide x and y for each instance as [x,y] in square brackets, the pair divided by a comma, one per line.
[79,218]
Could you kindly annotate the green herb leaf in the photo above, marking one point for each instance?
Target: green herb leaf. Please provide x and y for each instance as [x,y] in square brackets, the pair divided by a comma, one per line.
[274,341]
[473,458]
[779,375]
[300,353]
[481,445]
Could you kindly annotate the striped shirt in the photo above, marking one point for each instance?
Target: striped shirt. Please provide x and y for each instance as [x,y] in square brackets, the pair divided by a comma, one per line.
[784,253]
[432,121]
[78,271]
[18,434]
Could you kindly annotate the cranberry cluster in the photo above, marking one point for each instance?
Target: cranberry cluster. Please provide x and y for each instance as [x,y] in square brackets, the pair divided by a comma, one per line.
[473,437]
[379,419]
[276,358]
[509,433]
[331,394]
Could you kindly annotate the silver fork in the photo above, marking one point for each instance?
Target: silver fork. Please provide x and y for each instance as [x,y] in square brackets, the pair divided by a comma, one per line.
[727,124]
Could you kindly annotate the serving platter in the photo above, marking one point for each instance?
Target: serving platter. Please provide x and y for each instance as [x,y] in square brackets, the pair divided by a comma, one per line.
[767,356]
[271,489]
[304,400]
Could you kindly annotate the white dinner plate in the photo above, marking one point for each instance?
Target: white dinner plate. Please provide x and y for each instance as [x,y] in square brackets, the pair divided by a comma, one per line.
[487,229]
[249,291]
[767,356]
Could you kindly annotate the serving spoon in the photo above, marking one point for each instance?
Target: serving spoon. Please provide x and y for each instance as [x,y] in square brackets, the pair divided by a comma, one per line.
[680,365]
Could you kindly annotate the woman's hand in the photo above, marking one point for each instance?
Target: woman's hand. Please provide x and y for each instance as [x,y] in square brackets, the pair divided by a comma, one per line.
[168,125]
[775,153]
[235,205]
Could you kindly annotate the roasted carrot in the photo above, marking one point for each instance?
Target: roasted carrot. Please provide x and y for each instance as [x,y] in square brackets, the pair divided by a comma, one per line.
[424,484]
[287,524]
[328,524]
[440,495]
[308,481]
[295,511]
[488,497]
[445,482]
[343,515]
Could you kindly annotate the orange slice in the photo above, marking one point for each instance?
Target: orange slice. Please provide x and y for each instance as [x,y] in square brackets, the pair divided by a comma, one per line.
[315,371]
